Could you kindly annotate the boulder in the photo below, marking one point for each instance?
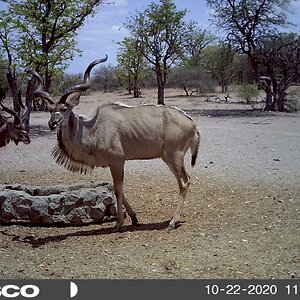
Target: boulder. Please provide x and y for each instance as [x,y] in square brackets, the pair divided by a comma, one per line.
[61,205]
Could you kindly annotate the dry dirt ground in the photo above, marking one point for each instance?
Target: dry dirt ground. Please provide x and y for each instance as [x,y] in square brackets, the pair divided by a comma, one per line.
[240,220]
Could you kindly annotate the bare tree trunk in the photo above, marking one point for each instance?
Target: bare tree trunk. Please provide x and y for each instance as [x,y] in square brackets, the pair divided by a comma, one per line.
[29,100]
[281,101]
[185,89]
[160,84]
[105,85]
[265,83]
[47,79]
[137,93]
[283,83]
[223,83]
[136,89]
[161,94]
[161,88]
[269,102]
[12,82]
[129,85]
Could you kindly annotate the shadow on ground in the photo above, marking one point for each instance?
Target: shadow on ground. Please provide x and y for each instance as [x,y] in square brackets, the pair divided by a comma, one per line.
[37,242]
[40,131]
[227,113]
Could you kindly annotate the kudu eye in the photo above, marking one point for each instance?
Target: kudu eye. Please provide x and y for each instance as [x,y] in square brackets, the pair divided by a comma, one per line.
[64,109]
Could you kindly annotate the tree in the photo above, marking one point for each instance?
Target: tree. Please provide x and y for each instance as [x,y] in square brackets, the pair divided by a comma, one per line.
[191,74]
[196,40]
[42,34]
[64,82]
[104,79]
[280,59]
[242,70]
[161,32]
[193,79]
[218,61]
[253,28]
[3,80]
[7,35]
[131,65]
[246,21]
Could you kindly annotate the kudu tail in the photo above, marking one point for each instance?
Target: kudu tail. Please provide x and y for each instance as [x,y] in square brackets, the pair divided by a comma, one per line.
[195,147]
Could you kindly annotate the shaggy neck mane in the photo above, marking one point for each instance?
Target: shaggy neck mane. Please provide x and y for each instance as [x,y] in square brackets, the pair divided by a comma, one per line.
[71,152]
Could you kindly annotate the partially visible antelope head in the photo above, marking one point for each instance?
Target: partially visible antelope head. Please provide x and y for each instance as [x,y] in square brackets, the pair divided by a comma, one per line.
[60,110]
[13,130]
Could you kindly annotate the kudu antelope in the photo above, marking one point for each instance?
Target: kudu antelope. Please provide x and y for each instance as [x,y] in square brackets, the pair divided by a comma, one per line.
[116,133]
[13,130]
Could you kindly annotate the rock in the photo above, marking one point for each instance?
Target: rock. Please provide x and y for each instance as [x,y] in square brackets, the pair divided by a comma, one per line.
[78,204]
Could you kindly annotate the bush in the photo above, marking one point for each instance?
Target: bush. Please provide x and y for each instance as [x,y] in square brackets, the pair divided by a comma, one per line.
[191,79]
[67,81]
[249,93]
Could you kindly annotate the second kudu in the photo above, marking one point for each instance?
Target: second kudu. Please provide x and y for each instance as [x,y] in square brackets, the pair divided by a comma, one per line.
[12,130]
[116,133]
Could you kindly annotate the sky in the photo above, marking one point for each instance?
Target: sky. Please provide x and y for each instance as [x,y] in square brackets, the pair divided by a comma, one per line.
[101,33]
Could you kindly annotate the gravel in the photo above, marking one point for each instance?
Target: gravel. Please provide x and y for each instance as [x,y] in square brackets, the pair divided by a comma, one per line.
[240,220]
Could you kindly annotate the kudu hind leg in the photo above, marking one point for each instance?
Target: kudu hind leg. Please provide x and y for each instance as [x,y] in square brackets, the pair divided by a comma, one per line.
[130,211]
[183,183]
[177,168]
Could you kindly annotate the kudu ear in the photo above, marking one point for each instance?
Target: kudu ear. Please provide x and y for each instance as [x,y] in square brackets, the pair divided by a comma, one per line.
[73,99]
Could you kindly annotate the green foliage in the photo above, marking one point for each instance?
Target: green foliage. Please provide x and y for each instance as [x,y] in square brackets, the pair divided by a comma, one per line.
[252,27]
[218,60]
[242,71]
[160,31]
[3,80]
[192,79]
[248,92]
[280,59]
[131,65]
[42,34]
[196,40]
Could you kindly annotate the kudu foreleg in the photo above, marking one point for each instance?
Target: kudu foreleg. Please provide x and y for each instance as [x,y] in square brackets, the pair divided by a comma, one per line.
[117,172]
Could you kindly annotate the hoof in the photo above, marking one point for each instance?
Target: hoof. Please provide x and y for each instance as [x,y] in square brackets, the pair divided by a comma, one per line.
[173,225]
[135,221]
[117,229]
[170,228]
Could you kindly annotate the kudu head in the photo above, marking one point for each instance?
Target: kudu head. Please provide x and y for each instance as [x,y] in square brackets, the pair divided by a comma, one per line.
[16,129]
[60,110]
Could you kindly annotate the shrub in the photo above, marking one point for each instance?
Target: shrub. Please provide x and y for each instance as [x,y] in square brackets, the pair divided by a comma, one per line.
[191,79]
[250,93]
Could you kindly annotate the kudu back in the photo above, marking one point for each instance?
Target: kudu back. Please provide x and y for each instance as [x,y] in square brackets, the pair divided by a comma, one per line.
[116,133]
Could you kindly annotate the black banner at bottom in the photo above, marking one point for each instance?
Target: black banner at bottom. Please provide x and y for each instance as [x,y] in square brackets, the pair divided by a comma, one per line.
[149,289]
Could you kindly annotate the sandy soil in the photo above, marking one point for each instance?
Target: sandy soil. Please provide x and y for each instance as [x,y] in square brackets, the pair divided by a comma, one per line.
[240,220]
